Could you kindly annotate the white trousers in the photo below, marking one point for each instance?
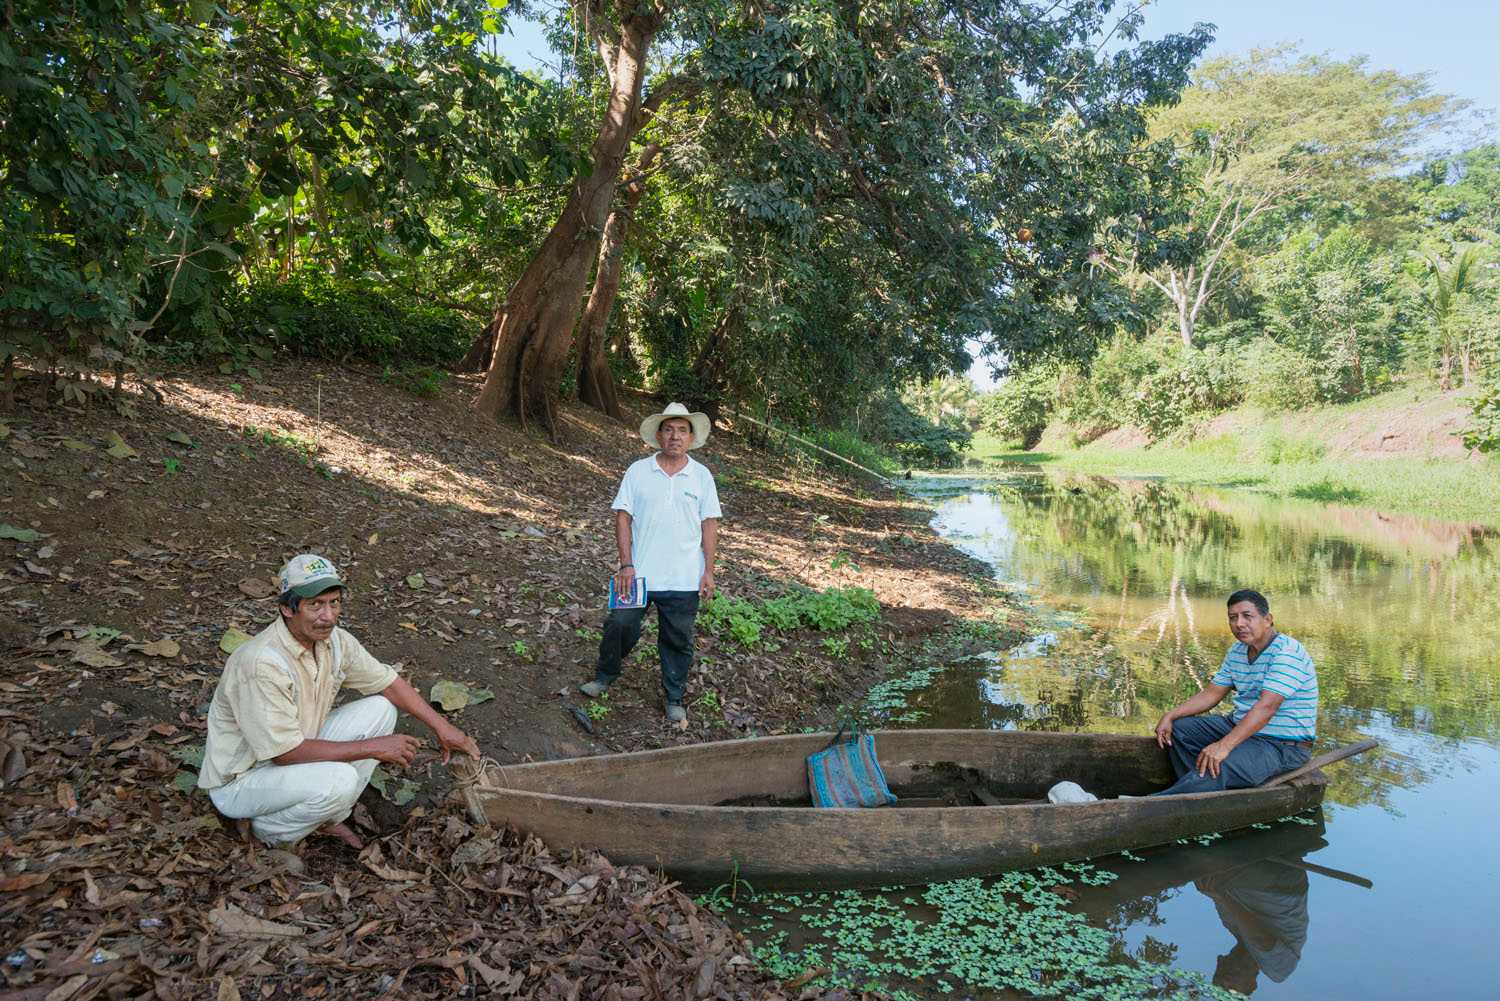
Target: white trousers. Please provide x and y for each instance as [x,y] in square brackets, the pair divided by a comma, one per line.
[286,803]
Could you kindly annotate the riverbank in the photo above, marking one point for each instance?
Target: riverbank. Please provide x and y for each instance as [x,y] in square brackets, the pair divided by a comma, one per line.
[134,550]
[1396,452]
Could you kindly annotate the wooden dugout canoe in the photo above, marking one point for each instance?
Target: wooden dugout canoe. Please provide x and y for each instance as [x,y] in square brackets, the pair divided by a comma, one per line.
[662,809]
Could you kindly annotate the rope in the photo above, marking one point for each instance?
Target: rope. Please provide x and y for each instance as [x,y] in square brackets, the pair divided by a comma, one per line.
[482,771]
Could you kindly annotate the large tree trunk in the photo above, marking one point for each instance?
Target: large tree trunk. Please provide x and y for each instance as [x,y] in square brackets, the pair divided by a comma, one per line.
[596,383]
[534,326]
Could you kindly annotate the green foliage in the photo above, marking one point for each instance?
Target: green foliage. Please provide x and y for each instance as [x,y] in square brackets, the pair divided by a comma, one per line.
[1014,934]
[827,611]
[1099,399]
[315,315]
[1279,378]
[912,439]
[1483,430]
[597,709]
[1329,299]
[1278,449]
[299,446]
[418,380]
[153,152]
[854,448]
[1019,409]
[1190,384]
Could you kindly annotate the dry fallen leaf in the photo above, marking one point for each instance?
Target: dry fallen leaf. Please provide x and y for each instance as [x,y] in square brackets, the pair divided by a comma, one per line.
[67,988]
[24,881]
[162,648]
[228,990]
[231,921]
[94,657]
[256,587]
[67,801]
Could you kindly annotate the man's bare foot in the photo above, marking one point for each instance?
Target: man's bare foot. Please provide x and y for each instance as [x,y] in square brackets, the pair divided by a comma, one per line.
[343,833]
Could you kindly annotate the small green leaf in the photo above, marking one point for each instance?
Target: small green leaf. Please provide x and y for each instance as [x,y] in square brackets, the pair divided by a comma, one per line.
[118,448]
[180,438]
[189,754]
[233,639]
[186,781]
[19,534]
[76,445]
[416,581]
[451,695]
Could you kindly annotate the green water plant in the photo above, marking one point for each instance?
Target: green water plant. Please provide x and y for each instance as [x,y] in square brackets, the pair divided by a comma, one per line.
[1011,933]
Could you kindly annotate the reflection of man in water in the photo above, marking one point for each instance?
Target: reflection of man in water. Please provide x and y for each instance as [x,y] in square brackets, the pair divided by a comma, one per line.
[1264,906]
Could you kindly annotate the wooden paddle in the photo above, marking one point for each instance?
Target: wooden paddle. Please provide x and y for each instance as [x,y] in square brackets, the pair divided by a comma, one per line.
[1337,754]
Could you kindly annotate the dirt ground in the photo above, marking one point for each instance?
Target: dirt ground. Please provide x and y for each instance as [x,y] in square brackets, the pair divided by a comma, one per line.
[477,553]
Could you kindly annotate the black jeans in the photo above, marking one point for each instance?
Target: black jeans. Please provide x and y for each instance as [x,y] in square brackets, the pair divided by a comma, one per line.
[676,611]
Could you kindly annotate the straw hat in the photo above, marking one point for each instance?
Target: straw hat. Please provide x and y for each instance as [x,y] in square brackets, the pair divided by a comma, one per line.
[700,422]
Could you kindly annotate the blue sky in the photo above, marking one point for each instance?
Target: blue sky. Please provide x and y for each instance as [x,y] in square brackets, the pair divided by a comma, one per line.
[1454,40]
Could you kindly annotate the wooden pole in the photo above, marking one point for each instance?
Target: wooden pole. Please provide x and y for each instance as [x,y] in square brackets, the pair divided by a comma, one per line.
[1323,870]
[812,445]
[1337,754]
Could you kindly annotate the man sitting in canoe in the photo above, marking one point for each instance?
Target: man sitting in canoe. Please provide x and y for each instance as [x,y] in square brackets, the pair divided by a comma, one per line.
[279,754]
[1274,721]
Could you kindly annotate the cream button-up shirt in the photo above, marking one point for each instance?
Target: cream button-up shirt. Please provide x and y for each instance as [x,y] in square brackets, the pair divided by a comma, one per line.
[276,693]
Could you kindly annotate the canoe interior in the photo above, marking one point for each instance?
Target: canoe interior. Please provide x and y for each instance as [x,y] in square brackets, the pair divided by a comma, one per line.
[703,811]
[917,763]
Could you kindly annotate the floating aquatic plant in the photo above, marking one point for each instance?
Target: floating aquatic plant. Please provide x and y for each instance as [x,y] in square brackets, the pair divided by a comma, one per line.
[1013,932]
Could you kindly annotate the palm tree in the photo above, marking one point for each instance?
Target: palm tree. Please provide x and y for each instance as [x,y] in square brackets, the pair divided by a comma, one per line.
[1441,296]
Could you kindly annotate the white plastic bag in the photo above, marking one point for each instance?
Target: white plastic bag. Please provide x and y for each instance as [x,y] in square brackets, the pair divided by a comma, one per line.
[1069,792]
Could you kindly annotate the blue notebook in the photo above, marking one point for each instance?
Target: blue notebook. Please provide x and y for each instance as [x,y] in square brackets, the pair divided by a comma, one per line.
[634,598]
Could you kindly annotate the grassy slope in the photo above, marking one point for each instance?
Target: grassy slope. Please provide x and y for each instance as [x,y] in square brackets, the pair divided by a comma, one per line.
[1332,454]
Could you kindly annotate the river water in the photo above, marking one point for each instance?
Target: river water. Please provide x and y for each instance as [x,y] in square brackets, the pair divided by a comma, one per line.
[1402,617]
[1391,892]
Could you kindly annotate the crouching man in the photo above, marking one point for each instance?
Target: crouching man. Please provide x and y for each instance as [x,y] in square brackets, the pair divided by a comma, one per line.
[278,753]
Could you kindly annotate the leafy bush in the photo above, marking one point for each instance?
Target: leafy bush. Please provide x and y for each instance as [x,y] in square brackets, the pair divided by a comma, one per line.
[1280,450]
[911,438]
[315,315]
[826,611]
[1279,378]
[418,380]
[1018,410]
[1194,383]
[854,448]
[1101,399]
[1483,431]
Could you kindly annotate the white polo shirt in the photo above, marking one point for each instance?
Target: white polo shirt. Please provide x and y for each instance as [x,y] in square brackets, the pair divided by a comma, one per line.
[666,521]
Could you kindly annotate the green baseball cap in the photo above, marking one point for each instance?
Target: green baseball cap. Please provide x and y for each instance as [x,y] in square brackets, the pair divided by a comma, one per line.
[308,576]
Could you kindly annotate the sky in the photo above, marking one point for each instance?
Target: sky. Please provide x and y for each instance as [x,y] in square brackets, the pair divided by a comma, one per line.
[1457,42]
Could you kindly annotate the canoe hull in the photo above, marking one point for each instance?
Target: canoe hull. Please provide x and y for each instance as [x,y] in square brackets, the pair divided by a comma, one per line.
[656,808]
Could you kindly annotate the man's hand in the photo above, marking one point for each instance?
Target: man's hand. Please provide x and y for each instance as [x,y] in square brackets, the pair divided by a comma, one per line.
[1212,756]
[706,585]
[1164,730]
[395,749]
[624,580]
[451,739]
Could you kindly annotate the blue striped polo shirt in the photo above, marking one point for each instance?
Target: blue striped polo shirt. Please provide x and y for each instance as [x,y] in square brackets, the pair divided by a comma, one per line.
[1283,667]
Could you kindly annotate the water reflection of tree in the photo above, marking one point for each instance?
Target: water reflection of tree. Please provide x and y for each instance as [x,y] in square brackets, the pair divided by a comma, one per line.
[1402,615]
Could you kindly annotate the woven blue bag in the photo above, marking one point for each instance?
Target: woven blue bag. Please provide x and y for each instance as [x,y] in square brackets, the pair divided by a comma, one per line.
[847,774]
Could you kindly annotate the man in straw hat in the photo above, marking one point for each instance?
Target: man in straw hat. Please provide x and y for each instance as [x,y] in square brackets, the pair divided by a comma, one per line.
[278,753]
[666,528]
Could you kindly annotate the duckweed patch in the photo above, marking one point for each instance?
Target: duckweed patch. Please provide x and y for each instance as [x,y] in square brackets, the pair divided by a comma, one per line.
[1013,932]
